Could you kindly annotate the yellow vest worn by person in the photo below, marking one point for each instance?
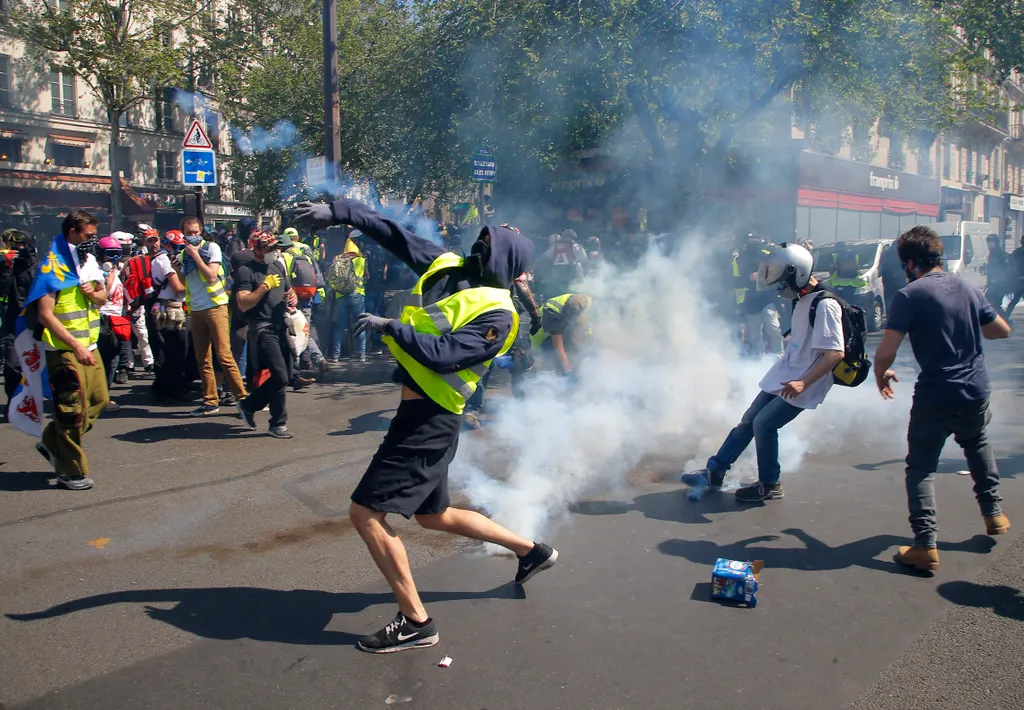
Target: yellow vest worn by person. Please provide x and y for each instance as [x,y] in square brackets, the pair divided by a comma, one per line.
[79,315]
[450,390]
[216,288]
[554,305]
[740,287]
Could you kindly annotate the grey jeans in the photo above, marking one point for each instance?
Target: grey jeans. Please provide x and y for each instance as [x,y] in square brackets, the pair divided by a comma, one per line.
[930,426]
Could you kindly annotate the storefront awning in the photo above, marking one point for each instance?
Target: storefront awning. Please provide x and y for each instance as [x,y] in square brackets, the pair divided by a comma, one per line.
[70,141]
[862,203]
[10,133]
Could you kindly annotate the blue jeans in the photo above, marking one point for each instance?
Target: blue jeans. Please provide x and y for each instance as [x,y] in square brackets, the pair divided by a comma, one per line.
[346,308]
[767,414]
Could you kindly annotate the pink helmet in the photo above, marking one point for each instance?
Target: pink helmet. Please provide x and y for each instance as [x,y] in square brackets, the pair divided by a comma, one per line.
[109,243]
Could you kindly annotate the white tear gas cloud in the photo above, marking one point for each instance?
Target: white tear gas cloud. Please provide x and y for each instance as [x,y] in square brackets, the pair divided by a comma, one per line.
[664,377]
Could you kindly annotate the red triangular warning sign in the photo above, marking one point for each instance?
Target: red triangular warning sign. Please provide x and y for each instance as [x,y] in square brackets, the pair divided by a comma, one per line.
[195,137]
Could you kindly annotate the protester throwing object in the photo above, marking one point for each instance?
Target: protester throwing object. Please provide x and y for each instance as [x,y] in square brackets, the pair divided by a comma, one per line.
[458,317]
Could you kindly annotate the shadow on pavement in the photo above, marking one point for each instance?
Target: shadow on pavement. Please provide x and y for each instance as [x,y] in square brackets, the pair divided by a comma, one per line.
[299,616]
[1009,466]
[671,506]
[1003,600]
[814,555]
[197,430]
[371,421]
[26,480]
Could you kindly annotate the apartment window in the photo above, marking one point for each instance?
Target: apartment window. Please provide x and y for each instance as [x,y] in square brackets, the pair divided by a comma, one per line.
[165,110]
[947,160]
[167,165]
[997,177]
[10,150]
[5,78]
[62,92]
[67,156]
[124,162]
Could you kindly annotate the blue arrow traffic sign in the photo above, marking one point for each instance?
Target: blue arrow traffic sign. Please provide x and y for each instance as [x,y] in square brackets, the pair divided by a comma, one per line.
[199,167]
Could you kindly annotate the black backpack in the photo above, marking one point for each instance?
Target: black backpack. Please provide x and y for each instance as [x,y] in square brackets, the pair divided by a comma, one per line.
[855,367]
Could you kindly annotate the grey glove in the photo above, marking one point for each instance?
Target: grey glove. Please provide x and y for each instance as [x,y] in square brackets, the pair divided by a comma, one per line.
[314,216]
[365,321]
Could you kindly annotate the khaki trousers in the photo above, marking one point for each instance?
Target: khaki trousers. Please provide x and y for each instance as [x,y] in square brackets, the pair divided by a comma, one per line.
[210,328]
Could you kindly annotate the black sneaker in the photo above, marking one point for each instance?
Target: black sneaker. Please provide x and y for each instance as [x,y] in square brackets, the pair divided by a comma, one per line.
[228,399]
[80,483]
[246,416]
[204,410]
[757,492]
[46,454]
[540,558]
[121,377]
[400,635]
[280,432]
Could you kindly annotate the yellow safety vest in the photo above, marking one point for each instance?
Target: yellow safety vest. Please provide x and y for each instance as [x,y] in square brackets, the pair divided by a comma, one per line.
[554,305]
[740,293]
[79,315]
[217,290]
[450,390]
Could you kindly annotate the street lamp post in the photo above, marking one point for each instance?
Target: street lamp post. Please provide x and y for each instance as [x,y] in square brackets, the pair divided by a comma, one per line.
[332,114]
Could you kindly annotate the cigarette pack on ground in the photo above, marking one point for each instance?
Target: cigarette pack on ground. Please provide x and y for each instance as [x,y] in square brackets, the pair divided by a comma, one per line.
[736,581]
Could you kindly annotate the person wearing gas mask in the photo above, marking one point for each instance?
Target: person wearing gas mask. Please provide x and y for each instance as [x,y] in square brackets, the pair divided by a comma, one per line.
[263,293]
[798,381]
[458,317]
[167,320]
[13,293]
[70,328]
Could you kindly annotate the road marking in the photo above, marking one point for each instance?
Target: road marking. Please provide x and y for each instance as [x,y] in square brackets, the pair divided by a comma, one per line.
[100,542]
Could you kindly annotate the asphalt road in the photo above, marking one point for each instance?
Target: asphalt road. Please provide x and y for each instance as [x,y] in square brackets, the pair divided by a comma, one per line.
[215,568]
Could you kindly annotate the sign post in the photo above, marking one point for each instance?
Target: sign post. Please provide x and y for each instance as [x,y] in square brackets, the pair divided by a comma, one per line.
[485,170]
[316,171]
[198,167]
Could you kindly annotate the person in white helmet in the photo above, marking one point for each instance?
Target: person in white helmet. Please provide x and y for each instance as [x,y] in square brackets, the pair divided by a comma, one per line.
[798,381]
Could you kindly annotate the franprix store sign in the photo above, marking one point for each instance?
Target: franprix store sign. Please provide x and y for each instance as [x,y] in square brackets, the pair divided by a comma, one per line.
[1017,203]
[825,172]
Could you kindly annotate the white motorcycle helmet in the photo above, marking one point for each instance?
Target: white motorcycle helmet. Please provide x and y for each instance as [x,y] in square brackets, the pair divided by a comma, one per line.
[787,268]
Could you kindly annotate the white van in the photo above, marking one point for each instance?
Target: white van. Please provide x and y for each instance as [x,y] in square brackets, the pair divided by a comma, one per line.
[965,251]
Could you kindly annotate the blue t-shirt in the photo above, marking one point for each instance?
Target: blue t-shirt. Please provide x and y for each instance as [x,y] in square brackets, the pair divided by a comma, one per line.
[943,316]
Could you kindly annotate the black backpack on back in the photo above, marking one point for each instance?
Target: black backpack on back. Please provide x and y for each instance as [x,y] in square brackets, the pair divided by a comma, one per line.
[855,367]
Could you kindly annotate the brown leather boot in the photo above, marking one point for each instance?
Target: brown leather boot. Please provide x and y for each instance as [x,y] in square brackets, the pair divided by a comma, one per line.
[997,525]
[923,559]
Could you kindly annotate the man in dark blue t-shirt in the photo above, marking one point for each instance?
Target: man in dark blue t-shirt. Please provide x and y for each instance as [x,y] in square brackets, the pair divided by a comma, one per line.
[946,319]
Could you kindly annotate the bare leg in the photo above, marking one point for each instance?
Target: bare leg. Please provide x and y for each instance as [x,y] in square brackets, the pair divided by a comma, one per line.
[469,523]
[388,553]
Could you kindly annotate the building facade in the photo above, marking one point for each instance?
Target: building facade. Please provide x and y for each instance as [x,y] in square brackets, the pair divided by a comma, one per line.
[55,152]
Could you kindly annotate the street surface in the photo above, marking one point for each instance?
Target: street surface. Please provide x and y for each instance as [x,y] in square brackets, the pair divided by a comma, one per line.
[216,568]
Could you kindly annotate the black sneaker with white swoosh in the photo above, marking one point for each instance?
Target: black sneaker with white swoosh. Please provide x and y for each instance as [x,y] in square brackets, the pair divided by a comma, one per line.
[540,558]
[400,635]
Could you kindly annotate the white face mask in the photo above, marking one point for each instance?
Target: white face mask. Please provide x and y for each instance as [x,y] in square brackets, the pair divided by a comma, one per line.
[270,257]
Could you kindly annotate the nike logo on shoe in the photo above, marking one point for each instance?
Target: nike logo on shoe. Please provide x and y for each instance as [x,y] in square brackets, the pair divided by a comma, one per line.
[527,568]
[406,637]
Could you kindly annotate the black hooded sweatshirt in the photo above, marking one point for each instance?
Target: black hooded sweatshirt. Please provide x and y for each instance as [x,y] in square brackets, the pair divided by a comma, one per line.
[479,340]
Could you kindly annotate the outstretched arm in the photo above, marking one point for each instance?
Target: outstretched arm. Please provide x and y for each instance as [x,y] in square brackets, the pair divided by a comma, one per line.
[414,250]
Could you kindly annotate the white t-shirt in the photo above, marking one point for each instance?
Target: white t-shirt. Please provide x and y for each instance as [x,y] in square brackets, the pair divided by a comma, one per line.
[805,348]
[161,266]
[115,298]
[199,298]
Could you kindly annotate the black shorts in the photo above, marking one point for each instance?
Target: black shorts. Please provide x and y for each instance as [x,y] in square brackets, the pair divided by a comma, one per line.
[409,472]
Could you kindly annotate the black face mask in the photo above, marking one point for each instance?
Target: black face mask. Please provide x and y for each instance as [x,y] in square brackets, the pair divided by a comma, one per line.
[479,254]
[89,246]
